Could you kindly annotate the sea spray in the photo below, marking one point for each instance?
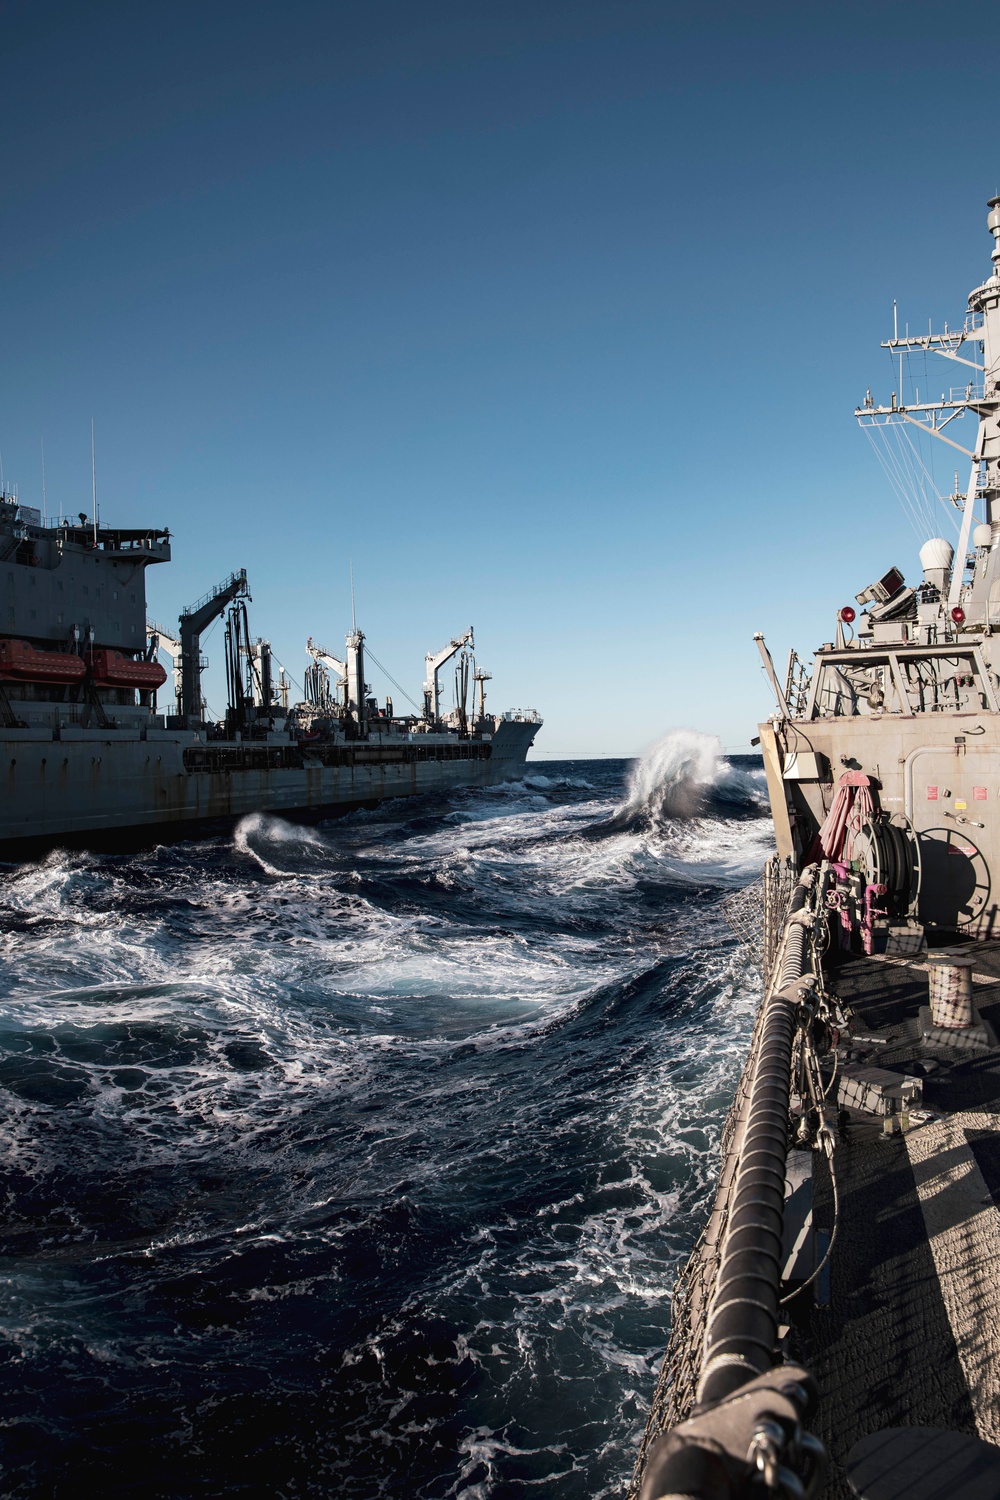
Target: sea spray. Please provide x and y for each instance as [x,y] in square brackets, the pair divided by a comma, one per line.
[686,775]
[673,778]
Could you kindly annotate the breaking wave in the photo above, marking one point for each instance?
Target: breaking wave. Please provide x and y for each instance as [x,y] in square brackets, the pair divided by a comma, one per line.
[686,775]
[359,1159]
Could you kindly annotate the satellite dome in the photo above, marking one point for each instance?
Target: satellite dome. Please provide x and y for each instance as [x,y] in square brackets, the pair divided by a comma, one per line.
[982,536]
[937,553]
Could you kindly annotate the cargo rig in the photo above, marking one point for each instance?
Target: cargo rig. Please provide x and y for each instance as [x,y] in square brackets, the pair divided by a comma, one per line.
[91,759]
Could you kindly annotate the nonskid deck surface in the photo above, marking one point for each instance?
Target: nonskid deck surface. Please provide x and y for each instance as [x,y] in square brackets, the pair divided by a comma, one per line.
[911,1335]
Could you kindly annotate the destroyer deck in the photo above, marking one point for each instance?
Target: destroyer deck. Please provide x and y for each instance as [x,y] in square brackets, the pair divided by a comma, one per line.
[911,1332]
[883,767]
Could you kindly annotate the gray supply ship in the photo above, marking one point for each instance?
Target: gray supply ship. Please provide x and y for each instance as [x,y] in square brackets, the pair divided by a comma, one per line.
[90,758]
[846,1282]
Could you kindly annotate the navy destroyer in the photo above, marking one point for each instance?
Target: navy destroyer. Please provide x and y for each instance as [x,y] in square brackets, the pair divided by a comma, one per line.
[90,757]
[836,1330]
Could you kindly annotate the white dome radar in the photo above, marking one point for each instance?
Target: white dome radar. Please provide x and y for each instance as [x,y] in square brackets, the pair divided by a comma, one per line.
[935,554]
[982,536]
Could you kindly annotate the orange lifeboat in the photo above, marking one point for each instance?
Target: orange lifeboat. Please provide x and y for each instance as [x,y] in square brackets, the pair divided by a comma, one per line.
[26,664]
[112,669]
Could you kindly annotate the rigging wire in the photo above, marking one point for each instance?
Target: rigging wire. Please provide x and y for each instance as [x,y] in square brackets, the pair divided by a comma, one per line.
[294,681]
[371,656]
[897,457]
[911,466]
[889,467]
[890,462]
[397,685]
[903,463]
[930,485]
[913,483]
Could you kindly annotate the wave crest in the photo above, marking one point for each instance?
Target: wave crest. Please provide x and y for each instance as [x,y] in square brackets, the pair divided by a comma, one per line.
[261,834]
[684,775]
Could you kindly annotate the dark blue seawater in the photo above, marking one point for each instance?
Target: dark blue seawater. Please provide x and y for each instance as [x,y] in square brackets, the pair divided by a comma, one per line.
[359,1160]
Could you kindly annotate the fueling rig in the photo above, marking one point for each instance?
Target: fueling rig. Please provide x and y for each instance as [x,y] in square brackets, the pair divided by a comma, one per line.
[80,671]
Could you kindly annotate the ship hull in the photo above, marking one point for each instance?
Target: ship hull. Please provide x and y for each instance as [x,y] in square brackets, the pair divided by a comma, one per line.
[95,789]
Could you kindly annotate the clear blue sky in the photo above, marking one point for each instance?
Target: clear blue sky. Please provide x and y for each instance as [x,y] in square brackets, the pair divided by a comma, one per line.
[550,315]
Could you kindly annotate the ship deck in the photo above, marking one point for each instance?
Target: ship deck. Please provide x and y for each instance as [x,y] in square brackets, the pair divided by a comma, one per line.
[910,1330]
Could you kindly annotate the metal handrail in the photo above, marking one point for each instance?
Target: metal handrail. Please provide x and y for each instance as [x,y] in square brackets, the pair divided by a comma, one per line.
[221,588]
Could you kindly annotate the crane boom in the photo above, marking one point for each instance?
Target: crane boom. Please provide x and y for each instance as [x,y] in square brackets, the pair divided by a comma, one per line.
[192,622]
[327,659]
[434,663]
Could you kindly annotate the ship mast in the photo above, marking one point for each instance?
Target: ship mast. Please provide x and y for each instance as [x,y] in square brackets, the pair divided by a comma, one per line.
[976,346]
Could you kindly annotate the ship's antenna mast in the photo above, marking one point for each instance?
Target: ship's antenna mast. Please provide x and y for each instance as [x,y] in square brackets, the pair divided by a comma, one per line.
[354,618]
[980,398]
[93,475]
[44,502]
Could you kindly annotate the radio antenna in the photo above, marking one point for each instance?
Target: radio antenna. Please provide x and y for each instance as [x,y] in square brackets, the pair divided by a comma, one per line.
[354,618]
[44,504]
[93,475]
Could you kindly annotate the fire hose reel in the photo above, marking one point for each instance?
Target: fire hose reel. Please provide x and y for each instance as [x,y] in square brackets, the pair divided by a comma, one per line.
[886,854]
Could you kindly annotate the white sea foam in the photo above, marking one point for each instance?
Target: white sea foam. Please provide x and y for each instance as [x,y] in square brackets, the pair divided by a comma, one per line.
[286,1015]
[261,829]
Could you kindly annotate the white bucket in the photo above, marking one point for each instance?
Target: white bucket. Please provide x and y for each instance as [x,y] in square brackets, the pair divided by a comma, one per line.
[950,977]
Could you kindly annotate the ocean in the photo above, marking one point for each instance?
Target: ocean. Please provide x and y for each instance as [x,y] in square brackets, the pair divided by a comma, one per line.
[358,1160]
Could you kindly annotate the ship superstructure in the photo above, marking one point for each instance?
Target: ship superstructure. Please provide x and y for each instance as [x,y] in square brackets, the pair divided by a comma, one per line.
[98,749]
[907,693]
[846,1277]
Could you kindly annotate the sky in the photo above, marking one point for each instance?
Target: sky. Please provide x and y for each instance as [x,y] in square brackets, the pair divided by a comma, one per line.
[548,317]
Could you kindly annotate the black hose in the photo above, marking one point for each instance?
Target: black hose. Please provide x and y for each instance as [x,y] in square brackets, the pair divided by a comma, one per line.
[742,1325]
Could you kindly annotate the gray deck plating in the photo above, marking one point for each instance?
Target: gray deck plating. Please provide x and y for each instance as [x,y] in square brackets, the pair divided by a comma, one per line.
[912,1335]
[963,1231]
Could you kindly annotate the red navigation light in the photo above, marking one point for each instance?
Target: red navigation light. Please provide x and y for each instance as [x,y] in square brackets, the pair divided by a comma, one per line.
[848,614]
[958,615]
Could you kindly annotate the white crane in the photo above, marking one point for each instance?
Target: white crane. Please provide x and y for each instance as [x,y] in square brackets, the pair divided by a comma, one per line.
[432,689]
[326,658]
[161,640]
[350,688]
